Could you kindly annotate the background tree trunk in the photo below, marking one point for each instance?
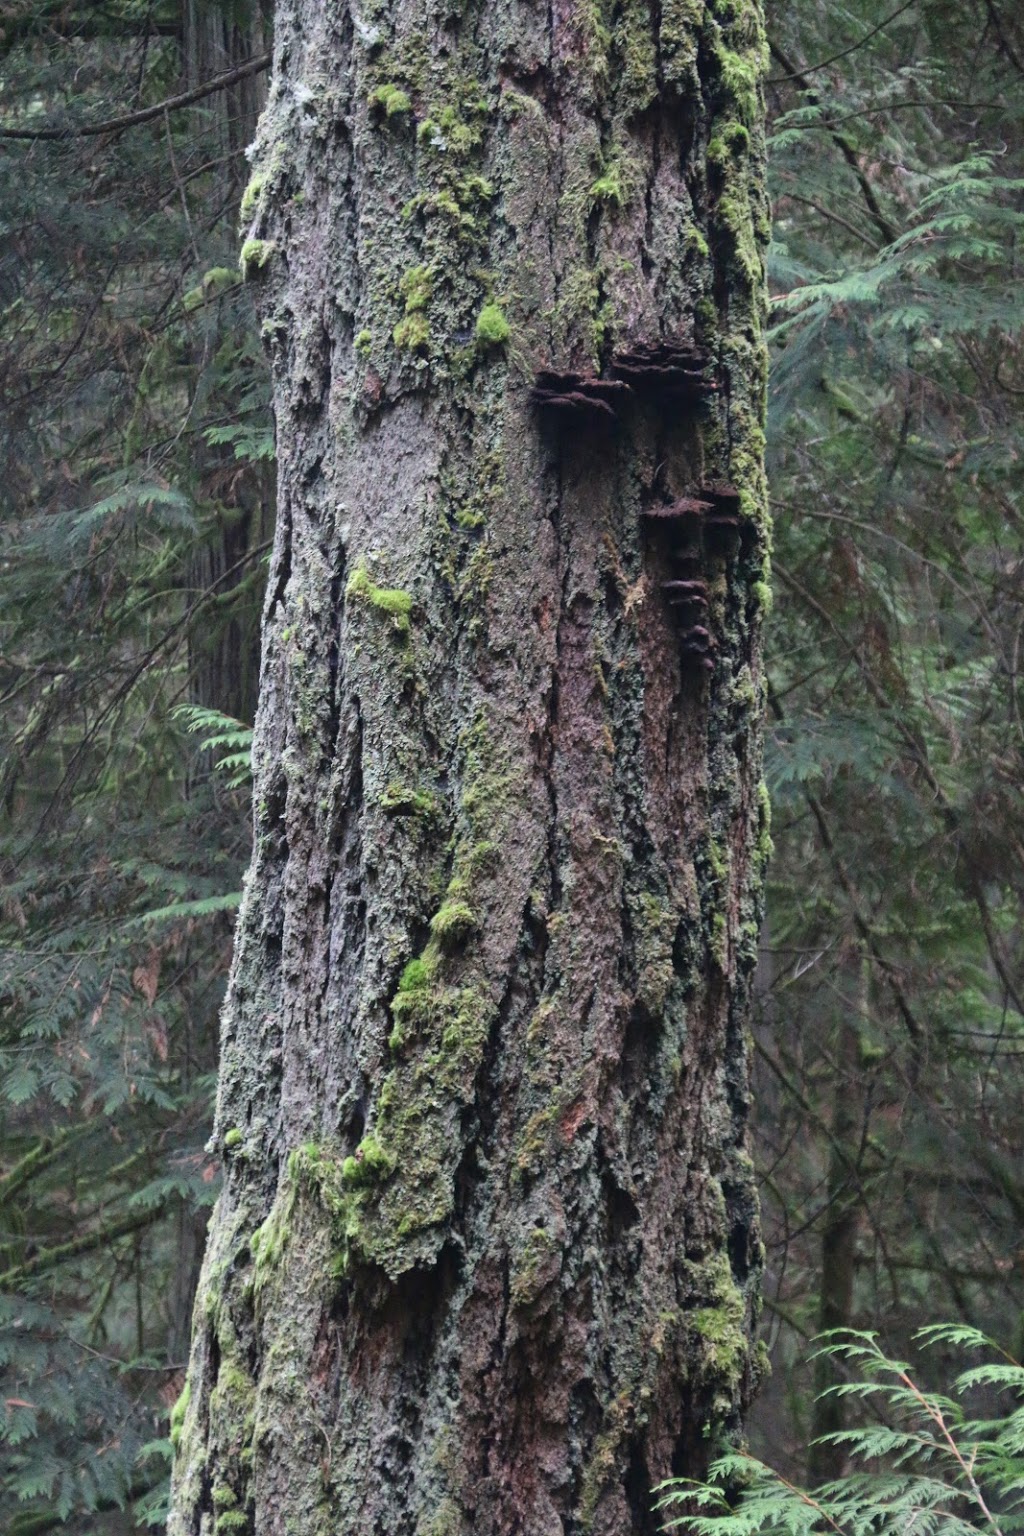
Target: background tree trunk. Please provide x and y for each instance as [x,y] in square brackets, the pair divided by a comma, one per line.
[486,1259]
[224,659]
[224,652]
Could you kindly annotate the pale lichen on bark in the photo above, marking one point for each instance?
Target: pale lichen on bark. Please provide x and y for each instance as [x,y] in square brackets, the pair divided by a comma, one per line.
[486,1258]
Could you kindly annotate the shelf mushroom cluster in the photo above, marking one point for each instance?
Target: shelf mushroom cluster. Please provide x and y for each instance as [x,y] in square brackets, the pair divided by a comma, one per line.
[667,370]
[693,528]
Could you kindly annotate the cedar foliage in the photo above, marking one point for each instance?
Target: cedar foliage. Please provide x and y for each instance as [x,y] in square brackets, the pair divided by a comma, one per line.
[890,1042]
[936,1463]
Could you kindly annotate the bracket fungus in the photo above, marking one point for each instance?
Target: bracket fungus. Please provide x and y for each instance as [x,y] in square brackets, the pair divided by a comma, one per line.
[577,396]
[667,369]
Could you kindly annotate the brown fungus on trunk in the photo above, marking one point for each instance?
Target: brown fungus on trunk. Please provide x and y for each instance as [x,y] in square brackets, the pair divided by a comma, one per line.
[673,370]
[721,533]
[688,511]
[687,531]
[724,526]
[578,397]
[682,593]
[697,646]
[676,528]
[724,497]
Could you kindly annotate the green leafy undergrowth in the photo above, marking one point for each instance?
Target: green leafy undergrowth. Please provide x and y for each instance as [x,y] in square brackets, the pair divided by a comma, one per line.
[929,1462]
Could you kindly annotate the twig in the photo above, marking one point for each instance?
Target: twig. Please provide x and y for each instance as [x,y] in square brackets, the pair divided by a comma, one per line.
[145,114]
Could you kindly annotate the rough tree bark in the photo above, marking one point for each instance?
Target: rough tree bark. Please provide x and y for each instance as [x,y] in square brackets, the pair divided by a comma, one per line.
[486,1258]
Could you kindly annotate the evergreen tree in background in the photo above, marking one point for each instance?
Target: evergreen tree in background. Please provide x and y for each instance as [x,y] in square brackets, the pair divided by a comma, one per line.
[137,511]
[889,1079]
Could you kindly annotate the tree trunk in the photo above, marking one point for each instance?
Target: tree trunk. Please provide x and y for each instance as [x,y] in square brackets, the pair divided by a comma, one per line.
[486,1259]
[223,654]
[223,664]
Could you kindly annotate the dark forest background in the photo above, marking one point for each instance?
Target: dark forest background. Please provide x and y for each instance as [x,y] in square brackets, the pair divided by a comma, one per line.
[136,465]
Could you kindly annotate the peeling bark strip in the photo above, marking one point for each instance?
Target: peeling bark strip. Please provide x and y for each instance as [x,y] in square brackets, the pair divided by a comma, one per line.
[486,1260]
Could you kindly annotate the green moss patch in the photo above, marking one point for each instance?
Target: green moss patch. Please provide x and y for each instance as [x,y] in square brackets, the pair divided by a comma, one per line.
[492,328]
[392,601]
[391,100]
[400,1191]
[402,800]
[412,334]
[254,256]
[178,1412]
[452,924]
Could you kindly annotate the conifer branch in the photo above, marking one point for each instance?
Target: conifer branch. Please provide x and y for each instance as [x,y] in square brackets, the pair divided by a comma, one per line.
[145,114]
[812,69]
[49,1258]
[845,145]
[45,1152]
[834,218]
